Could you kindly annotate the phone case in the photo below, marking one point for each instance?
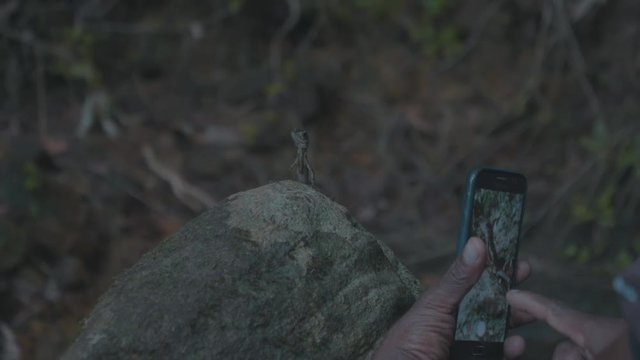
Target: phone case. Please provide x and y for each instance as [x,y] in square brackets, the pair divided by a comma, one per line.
[467,203]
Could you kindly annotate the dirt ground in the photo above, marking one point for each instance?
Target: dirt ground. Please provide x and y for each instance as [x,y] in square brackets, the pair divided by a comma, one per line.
[120,121]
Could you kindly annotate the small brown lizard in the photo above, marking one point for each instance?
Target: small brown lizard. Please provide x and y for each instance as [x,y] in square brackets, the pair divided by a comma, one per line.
[304,171]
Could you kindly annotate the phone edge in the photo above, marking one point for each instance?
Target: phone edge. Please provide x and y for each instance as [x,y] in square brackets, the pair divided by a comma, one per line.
[463,230]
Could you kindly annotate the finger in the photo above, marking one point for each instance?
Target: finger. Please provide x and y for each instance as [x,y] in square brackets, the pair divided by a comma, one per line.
[519,317]
[567,350]
[456,282]
[566,321]
[523,272]
[514,347]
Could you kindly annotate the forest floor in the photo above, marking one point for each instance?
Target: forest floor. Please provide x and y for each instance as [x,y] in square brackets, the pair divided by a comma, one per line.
[121,121]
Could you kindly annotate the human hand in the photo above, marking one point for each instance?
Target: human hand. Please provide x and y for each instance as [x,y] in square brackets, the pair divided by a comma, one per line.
[590,337]
[426,330]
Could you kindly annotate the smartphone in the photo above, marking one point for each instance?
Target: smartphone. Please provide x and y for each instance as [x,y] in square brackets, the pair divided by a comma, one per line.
[492,210]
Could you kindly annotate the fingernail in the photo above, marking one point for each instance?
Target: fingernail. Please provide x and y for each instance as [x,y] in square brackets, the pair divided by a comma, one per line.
[471,251]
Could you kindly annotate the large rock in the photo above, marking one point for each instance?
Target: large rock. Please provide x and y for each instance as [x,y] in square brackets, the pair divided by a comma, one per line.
[280,271]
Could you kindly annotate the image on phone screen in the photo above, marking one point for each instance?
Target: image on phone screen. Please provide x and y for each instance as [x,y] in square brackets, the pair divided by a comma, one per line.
[482,315]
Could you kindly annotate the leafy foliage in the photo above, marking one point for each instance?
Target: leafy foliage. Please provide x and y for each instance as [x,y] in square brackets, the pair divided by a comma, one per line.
[80,66]
[609,212]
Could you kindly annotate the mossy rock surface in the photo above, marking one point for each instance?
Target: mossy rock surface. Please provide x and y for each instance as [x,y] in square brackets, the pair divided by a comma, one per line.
[279,271]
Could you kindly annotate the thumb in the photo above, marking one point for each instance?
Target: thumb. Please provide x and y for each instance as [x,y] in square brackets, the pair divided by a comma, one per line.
[456,282]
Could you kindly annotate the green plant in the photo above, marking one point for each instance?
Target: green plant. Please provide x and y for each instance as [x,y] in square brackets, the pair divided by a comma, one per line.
[425,21]
[13,245]
[235,6]
[436,36]
[80,66]
[598,142]
[599,209]
[380,8]
[607,211]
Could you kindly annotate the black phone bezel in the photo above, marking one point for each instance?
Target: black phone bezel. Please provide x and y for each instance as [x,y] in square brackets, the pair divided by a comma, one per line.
[498,180]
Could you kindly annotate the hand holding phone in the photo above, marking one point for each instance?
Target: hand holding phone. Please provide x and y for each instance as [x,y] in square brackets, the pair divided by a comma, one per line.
[426,330]
[493,209]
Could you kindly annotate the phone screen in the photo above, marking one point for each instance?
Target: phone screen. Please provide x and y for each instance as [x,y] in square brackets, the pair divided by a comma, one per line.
[495,218]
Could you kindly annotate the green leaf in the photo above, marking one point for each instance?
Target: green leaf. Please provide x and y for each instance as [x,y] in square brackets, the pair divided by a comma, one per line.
[274,89]
[435,7]
[235,6]
[13,246]
[624,259]
[570,251]
[381,8]
[604,207]
[626,157]
[31,177]
[636,245]
[581,212]
[598,142]
[584,255]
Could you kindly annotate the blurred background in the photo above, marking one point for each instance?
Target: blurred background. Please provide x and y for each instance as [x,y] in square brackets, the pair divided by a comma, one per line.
[122,120]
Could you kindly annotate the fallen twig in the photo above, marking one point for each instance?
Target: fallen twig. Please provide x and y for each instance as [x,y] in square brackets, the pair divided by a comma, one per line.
[28,39]
[475,37]
[577,61]
[544,43]
[193,197]
[7,9]
[558,197]
[275,49]
[41,96]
